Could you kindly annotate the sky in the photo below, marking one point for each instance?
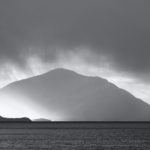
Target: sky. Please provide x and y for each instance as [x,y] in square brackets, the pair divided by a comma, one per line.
[104,38]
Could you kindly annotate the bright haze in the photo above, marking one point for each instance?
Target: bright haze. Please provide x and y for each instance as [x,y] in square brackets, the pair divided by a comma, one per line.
[103,38]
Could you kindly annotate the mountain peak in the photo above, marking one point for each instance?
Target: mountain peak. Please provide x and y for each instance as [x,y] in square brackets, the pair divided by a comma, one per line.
[74,97]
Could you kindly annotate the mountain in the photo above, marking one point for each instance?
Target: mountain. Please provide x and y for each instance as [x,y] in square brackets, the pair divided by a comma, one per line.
[24,119]
[74,97]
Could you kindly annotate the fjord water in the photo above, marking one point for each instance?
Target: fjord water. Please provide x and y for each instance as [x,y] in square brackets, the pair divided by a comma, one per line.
[75,135]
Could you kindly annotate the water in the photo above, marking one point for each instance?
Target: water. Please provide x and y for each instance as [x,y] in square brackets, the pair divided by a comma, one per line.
[74,136]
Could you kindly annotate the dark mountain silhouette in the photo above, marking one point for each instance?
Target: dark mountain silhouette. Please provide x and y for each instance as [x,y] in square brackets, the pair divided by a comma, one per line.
[80,98]
[24,119]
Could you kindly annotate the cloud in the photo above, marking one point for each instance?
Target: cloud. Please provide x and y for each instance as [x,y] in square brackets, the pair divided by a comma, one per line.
[112,36]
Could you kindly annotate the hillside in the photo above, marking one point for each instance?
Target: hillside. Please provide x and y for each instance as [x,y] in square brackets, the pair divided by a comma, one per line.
[24,119]
[80,98]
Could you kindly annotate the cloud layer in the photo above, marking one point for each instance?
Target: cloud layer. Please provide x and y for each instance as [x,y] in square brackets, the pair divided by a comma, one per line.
[110,36]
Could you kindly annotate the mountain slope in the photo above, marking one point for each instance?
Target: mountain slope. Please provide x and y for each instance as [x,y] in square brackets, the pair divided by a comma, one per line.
[82,98]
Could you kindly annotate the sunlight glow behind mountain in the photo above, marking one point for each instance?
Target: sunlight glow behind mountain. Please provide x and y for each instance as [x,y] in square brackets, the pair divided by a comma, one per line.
[12,106]
[36,67]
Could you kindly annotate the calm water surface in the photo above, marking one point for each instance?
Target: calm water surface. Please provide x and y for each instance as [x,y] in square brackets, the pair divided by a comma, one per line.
[74,136]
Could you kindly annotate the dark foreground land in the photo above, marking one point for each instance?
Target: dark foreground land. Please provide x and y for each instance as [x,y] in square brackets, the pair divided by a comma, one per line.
[75,136]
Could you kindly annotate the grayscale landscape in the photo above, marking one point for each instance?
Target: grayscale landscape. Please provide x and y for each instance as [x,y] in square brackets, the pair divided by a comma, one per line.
[74,74]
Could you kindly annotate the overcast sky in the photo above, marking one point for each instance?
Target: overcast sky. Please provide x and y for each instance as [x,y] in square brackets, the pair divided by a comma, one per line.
[106,38]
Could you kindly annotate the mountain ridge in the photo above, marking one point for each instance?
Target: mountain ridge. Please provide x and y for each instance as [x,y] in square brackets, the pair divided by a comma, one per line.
[82,98]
